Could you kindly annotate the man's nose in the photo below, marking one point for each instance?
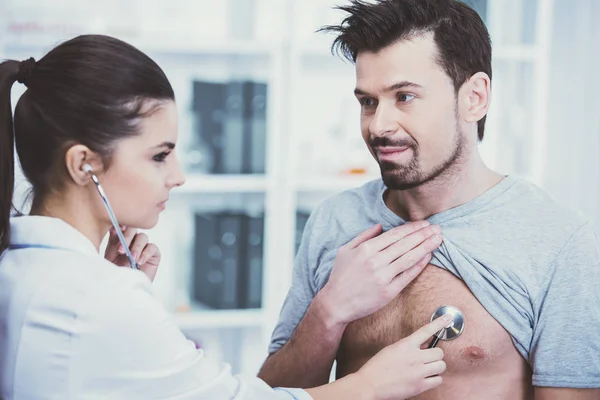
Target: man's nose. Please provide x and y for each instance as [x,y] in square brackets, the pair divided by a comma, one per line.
[385,121]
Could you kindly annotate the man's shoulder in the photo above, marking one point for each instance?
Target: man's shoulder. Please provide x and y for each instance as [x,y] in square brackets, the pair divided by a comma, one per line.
[531,219]
[523,220]
[339,218]
[538,206]
[351,200]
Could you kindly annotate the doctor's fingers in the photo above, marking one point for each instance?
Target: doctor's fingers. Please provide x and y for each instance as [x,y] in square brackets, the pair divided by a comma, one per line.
[128,234]
[434,368]
[392,236]
[427,356]
[431,383]
[424,333]
[111,253]
[150,253]
[150,260]
[406,244]
[137,246]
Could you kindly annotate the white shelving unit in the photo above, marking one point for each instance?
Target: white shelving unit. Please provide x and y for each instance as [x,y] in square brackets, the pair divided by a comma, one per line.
[313,137]
[196,183]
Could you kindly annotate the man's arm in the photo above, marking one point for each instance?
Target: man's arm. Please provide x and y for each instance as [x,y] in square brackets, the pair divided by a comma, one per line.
[565,352]
[547,393]
[368,273]
[306,359]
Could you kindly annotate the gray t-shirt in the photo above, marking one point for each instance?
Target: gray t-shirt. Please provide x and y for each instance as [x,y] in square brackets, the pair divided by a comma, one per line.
[533,264]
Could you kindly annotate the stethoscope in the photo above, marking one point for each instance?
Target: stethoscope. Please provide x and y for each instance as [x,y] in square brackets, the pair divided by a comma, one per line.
[453,330]
[88,168]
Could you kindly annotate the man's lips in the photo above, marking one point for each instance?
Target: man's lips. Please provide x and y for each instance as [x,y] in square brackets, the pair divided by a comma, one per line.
[389,153]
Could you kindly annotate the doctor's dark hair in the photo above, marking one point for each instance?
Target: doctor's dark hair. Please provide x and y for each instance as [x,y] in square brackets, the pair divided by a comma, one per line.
[89,90]
[462,40]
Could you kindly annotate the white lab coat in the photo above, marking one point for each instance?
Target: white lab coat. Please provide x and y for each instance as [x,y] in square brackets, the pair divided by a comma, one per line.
[75,326]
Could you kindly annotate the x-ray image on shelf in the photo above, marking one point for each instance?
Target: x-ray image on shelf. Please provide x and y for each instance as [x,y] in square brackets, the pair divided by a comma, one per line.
[230,127]
[228,268]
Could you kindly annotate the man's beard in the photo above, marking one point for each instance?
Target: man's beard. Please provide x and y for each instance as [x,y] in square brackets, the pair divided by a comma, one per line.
[410,175]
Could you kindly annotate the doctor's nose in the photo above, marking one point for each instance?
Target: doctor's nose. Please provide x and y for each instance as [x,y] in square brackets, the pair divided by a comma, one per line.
[177,177]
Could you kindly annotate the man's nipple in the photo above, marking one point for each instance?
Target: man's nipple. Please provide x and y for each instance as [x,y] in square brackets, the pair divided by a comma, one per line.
[474,354]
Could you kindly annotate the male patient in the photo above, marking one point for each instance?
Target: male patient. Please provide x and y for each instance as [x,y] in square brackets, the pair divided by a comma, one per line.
[524,271]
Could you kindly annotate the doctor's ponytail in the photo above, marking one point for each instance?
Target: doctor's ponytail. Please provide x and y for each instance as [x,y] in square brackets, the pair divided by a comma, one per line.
[9,73]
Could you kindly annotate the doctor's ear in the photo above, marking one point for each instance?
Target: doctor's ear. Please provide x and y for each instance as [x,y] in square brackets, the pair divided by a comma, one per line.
[80,161]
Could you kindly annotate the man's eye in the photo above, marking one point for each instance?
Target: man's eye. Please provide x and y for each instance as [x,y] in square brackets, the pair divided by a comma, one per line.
[367,102]
[405,97]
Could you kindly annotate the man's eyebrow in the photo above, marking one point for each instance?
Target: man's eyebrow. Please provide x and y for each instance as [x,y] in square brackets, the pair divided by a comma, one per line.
[395,86]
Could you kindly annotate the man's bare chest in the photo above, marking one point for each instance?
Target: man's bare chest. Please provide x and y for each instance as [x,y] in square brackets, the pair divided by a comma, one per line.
[483,341]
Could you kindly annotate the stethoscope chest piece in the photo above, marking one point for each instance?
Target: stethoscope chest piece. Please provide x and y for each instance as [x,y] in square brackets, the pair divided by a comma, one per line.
[458,322]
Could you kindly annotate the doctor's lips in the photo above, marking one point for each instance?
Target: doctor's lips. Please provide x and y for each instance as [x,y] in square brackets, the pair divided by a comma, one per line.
[163,204]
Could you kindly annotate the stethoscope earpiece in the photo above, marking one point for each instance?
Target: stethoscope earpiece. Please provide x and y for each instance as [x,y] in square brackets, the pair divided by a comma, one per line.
[87,168]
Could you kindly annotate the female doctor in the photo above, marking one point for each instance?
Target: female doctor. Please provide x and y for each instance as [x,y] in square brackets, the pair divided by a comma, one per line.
[73,325]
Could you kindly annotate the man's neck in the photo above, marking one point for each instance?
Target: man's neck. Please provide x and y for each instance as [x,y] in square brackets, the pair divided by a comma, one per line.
[75,213]
[459,185]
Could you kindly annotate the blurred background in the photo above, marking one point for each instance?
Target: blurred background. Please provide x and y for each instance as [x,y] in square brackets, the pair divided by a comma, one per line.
[269,128]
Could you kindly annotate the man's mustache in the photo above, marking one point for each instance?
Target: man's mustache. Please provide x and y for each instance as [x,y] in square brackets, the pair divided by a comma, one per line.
[387,142]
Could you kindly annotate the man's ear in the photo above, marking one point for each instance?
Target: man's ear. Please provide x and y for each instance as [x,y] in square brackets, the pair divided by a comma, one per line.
[476,96]
[76,157]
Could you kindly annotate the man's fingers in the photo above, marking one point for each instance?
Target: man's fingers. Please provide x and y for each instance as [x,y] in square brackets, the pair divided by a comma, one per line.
[426,332]
[416,255]
[386,239]
[400,281]
[408,243]
[364,236]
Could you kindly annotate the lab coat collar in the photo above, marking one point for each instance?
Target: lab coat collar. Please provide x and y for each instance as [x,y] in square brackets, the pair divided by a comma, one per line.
[38,231]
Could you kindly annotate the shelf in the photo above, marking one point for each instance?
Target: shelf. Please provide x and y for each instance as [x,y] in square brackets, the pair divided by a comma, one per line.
[215,319]
[197,183]
[333,183]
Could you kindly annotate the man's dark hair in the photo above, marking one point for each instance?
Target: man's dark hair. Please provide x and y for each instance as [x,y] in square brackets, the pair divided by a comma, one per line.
[462,39]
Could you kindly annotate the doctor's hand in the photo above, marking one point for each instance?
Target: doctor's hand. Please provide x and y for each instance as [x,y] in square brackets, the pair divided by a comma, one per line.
[373,268]
[146,254]
[403,369]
